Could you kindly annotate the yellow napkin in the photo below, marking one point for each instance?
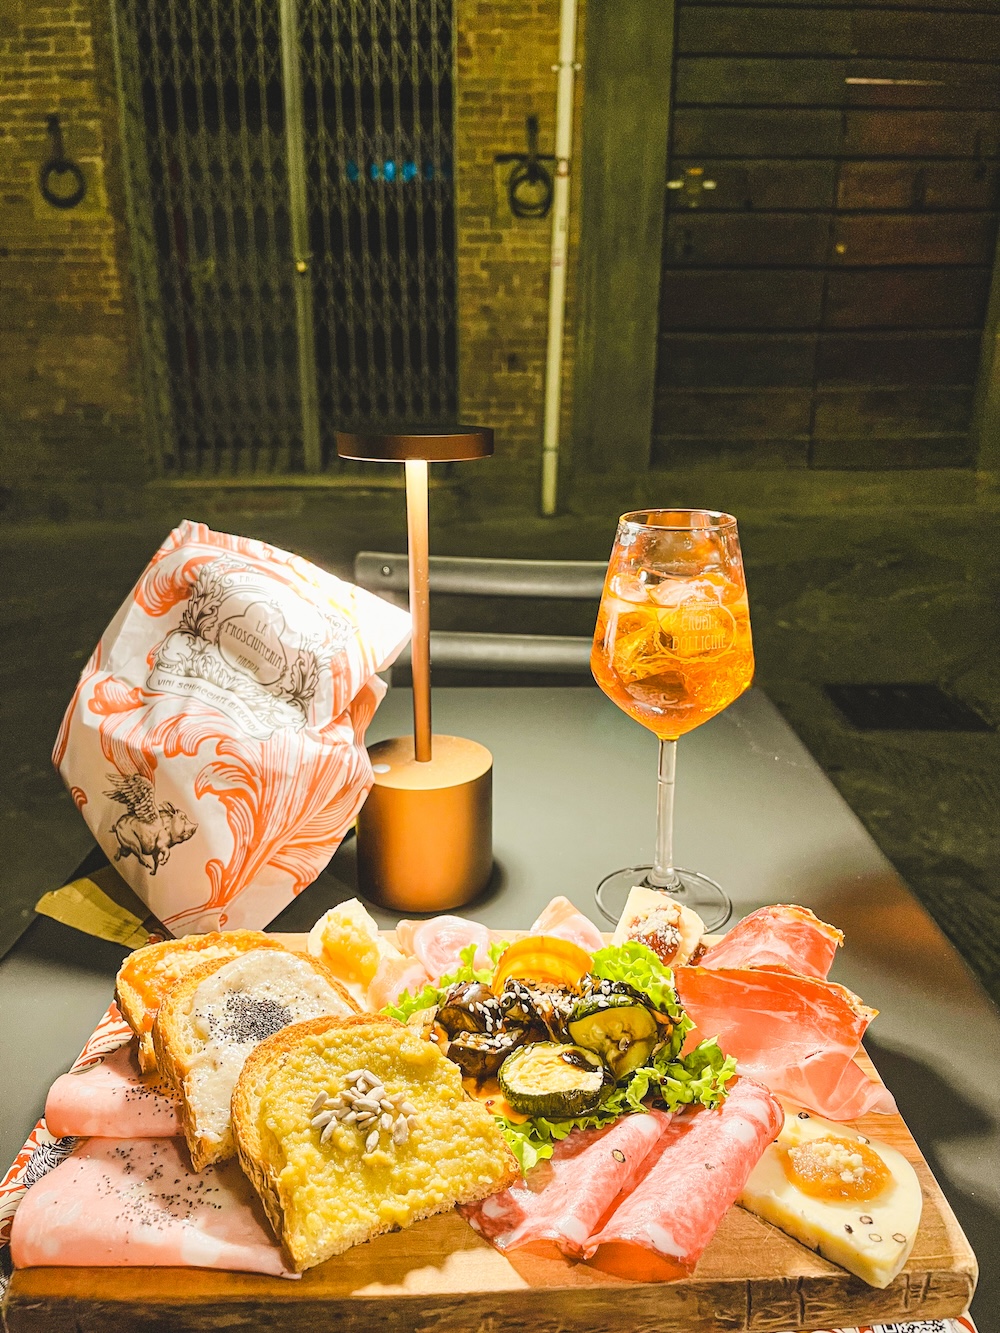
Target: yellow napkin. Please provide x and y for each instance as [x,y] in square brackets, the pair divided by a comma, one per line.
[86,905]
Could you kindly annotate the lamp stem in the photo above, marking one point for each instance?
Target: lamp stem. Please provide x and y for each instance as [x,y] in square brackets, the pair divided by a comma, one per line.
[420,643]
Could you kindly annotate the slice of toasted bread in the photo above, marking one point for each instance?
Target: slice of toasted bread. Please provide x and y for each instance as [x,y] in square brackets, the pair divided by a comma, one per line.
[324,1196]
[148,973]
[212,1019]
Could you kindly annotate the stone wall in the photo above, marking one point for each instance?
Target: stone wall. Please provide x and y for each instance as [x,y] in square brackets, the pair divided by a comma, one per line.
[504,60]
[70,436]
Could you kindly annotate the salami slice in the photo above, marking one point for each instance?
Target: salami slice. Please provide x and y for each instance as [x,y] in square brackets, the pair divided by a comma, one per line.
[564,1198]
[112,1100]
[660,1230]
[784,936]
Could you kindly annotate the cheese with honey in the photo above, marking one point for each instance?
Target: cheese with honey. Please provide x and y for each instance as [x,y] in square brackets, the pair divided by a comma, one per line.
[663,924]
[856,1201]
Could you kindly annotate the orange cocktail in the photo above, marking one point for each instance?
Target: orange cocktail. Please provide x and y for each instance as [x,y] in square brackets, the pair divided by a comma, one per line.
[672,648]
[673,652]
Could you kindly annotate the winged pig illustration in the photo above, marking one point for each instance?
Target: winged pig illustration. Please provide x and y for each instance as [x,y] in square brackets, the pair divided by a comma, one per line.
[147,831]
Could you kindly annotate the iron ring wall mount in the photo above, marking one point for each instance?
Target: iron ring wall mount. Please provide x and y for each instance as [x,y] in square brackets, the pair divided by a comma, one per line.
[58,164]
[529,186]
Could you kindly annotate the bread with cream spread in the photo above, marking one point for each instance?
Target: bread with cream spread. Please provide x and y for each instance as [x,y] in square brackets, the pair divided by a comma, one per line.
[212,1019]
[351,1127]
[147,974]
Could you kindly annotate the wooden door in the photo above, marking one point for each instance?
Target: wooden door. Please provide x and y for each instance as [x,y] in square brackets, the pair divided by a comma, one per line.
[828,251]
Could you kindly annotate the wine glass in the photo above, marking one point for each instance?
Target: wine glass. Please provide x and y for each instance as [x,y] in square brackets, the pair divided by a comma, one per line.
[672,648]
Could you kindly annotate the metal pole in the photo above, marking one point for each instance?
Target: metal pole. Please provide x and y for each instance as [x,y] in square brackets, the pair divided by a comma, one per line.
[420,608]
[557,263]
[298,213]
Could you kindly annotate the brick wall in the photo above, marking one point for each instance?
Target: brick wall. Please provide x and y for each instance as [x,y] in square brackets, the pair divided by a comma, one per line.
[70,442]
[504,58]
[70,418]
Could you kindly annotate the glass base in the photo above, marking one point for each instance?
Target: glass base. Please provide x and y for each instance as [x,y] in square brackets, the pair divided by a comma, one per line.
[694,890]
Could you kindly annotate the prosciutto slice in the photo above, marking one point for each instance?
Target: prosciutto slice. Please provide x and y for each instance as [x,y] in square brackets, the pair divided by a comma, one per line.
[126,1202]
[780,936]
[566,922]
[112,1100]
[438,943]
[795,1034]
[564,1198]
[660,1230]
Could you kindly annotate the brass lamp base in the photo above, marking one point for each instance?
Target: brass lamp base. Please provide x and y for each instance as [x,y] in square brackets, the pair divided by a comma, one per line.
[425,833]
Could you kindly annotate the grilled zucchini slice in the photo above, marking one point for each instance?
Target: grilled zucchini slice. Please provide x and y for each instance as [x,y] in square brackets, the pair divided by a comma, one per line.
[553,1080]
[618,1029]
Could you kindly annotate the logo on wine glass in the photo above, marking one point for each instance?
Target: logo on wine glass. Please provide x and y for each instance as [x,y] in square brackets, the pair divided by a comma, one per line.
[703,630]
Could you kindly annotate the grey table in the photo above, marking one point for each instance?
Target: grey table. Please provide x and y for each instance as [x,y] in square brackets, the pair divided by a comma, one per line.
[574,798]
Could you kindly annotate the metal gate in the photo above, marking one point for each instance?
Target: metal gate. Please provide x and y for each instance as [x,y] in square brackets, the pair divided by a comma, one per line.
[289,190]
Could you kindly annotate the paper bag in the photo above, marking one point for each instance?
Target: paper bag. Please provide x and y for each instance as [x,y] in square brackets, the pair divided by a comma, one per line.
[215,741]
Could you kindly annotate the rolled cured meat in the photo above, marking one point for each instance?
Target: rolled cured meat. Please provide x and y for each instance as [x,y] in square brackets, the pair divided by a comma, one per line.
[438,942]
[660,1230]
[112,1100]
[795,1034]
[121,1203]
[564,1198]
[785,936]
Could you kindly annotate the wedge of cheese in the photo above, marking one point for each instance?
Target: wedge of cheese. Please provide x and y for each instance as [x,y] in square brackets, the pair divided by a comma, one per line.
[855,1201]
[653,918]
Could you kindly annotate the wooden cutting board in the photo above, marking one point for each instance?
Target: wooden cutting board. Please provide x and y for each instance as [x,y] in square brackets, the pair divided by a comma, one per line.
[440,1275]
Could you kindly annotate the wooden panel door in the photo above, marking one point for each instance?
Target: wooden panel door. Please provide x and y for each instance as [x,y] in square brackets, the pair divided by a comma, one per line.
[830,232]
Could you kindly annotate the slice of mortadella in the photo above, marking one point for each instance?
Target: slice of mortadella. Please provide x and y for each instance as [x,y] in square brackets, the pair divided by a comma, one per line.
[119,1203]
[660,1230]
[113,1100]
[564,1198]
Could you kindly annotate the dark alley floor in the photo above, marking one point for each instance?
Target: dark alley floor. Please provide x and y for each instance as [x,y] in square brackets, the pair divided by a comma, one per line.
[858,596]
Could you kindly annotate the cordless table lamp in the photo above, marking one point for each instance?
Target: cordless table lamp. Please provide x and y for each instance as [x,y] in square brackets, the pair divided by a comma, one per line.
[425,833]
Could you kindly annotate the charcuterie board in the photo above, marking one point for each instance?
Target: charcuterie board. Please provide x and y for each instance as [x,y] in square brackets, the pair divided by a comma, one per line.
[439,1272]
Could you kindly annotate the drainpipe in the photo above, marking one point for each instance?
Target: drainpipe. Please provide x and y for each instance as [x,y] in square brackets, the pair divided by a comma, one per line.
[298,212]
[566,69]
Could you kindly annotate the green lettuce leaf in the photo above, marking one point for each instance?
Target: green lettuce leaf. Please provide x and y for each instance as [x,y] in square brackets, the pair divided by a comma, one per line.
[531,1141]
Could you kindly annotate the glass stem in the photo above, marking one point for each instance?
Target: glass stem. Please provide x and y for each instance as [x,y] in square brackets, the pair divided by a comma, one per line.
[663,875]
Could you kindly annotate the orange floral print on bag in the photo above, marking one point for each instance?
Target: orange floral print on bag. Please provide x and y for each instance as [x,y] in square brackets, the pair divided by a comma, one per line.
[215,741]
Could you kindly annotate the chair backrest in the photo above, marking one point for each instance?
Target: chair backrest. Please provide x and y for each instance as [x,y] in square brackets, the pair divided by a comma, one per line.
[559,654]
[572,580]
